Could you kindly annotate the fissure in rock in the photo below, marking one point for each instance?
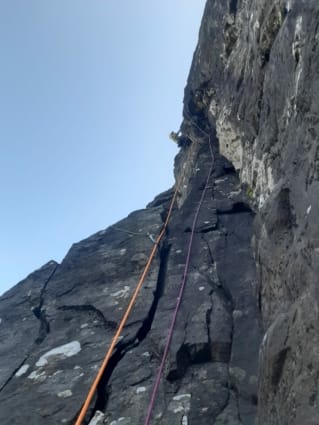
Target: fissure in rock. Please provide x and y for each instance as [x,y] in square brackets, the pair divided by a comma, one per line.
[147,323]
[93,312]
[13,374]
[40,313]
[123,347]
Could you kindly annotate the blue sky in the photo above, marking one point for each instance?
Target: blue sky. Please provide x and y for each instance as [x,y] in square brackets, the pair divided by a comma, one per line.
[89,90]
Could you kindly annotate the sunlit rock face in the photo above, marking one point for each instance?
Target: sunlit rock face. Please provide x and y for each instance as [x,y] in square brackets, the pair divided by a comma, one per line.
[62,317]
[256,63]
[245,346]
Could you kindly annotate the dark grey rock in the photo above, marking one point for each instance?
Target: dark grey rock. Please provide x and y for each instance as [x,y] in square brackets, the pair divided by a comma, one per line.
[210,369]
[254,77]
[252,93]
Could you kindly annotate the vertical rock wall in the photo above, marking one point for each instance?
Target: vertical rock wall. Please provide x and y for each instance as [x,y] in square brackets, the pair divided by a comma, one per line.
[254,77]
[251,294]
[211,372]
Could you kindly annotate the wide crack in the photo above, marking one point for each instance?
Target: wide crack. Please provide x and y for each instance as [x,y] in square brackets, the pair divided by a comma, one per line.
[147,322]
[89,308]
[124,346]
[39,312]
[43,330]
[13,373]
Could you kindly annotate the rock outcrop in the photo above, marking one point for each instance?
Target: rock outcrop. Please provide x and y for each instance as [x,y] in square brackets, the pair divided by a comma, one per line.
[254,79]
[244,350]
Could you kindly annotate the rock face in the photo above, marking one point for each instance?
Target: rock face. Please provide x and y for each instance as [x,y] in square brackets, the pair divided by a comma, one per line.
[245,346]
[254,78]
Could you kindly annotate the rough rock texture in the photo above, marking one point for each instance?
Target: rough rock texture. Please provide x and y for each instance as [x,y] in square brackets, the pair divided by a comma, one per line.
[211,374]
[254,77]
[245,347]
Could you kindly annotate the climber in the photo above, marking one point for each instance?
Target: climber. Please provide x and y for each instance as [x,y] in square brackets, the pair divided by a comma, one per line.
[175,136]
[179,138]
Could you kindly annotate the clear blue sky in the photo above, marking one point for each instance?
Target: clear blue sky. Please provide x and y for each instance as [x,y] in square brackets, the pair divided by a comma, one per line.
[89,90]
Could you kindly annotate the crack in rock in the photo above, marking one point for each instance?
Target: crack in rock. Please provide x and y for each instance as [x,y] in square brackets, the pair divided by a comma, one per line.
[39,312]
[13,374]
[108,324]
[124,346]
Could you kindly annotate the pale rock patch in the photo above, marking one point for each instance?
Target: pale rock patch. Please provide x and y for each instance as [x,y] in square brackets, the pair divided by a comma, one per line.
[61,352]
[23,369]
[65,394]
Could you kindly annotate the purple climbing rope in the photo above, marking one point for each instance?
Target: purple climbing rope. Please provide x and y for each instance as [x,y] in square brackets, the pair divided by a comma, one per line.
[180,293]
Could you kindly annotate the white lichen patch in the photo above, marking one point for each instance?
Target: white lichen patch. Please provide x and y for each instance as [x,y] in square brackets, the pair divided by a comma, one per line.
[178,409]
[296,52]
[258,174]
[308,210]
[123,251]
[121,421]
[256,25]
[0,320]
[65,394]
[265,339]
[184,420]
[61,352]
[98,418]
[38,376]
[298,75]
[217,181]
[122,293]
[140,390]
[298,26]
[180,397]
[23,369]
[146,354]
[202,374]
[57,372]
[229,140]
[213,108]
[201,288]
[181,403]
[237,314]
[235,193]
[84,325]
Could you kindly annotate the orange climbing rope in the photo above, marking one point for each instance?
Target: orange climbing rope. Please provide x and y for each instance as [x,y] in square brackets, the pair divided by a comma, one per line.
[130,306]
